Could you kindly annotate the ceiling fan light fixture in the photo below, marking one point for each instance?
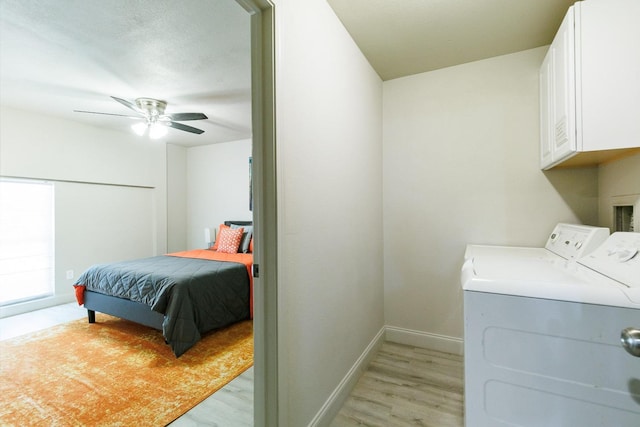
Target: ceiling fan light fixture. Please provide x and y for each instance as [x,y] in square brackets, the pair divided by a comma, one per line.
[139,128]
[157,130]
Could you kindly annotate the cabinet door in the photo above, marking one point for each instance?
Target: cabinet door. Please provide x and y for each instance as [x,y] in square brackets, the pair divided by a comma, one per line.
[546,109]
[564,90]
[609,77]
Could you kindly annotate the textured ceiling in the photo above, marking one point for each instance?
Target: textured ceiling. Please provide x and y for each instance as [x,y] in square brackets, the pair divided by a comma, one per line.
[404,37]
[65,55]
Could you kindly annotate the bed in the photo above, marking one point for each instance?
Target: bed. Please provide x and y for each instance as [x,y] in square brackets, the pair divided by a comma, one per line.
[183,294]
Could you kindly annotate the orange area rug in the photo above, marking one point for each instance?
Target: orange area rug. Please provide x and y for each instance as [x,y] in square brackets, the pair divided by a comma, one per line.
[113,373]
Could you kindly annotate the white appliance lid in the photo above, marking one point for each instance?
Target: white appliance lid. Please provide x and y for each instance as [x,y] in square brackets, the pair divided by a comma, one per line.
[617,258]
[524,270]
[481,251]
[568,241]
[555,279]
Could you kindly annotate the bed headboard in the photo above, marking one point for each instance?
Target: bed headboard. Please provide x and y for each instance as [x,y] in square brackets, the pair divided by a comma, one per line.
[247,236]
[238,222]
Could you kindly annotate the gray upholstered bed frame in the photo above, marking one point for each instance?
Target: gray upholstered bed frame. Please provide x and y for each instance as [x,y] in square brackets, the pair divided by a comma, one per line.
[126,309]
[123,308]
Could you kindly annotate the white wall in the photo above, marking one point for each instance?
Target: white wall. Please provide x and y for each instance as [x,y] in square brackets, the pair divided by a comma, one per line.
[176,198]
[101,223]
[619,178]
[217,187]
[460,165]
[40,146]
[328,123]
[110,190]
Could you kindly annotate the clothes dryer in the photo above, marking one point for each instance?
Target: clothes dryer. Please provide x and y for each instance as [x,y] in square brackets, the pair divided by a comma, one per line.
[550,341]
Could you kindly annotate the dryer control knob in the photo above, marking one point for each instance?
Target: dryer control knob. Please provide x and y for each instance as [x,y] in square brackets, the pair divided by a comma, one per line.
[625,255]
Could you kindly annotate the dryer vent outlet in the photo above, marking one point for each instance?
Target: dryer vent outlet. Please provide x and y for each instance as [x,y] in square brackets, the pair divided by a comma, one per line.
[626,212]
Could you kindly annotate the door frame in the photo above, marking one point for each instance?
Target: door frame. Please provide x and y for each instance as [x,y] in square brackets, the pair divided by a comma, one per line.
[265,291]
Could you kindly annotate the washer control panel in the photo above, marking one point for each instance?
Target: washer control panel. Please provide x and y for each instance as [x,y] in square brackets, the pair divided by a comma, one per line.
[572,241]
[617,258]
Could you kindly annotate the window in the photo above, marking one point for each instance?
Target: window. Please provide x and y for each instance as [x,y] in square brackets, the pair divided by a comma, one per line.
[26,240]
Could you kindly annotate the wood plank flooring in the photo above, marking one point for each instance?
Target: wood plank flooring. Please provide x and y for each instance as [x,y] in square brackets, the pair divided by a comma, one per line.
[231,406]
[403,386]
[407,386]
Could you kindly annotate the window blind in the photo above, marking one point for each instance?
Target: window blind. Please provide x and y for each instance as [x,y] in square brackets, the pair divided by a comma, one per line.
[27,243]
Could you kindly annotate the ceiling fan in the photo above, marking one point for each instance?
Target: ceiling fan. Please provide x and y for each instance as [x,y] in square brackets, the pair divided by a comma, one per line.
[151,111]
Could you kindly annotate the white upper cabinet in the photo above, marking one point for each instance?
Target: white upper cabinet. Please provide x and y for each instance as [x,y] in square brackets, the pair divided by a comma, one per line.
[590,85]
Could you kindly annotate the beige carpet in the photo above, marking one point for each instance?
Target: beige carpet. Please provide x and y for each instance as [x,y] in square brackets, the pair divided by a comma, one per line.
[113,373]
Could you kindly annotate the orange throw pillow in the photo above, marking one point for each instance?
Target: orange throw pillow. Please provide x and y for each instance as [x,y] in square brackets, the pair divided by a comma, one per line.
[230,239]
[215,245]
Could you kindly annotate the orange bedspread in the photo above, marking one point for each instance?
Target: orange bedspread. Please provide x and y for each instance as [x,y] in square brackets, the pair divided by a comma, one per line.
[246,259]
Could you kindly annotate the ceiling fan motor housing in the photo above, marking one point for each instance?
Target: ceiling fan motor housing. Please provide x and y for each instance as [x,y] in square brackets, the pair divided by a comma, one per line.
[151,107]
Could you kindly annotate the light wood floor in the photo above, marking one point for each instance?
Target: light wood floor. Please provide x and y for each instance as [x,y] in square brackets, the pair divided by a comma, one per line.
[403,386]
[407,386]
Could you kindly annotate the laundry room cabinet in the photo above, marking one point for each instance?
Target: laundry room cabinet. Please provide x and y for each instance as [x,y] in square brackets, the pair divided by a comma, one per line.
[590,85]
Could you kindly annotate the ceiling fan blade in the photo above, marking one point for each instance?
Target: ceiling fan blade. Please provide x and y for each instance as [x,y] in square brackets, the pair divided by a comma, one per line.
[187,116]
[185,128]
[108,114]
[128,104]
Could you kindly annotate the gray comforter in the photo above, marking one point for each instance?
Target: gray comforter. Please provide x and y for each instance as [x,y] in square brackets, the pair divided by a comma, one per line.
[195,295]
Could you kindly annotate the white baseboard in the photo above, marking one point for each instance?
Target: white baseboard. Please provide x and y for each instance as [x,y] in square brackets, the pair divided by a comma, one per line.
[424,340]
[388,333]
[25,307]
[340,394]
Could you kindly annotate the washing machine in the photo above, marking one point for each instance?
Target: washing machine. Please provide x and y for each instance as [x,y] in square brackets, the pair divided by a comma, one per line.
[552,340]
[568,241]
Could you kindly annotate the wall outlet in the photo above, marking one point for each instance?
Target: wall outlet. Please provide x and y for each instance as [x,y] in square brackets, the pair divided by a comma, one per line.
[69,274]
